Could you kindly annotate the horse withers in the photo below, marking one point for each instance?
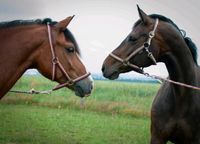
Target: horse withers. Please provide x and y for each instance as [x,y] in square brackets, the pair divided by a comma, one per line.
[46,46]
[175,110]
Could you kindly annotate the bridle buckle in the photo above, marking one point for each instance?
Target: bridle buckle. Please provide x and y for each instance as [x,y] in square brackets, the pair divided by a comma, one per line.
[151,34]
[126,63]
[146,45]
[70,82]
[55,60]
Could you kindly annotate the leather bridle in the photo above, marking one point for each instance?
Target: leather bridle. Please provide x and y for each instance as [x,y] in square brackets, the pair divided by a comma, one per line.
[57,63]
[145,46]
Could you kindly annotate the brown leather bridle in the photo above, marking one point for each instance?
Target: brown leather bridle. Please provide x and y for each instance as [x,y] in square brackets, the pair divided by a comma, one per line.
[145,46]
[56,62]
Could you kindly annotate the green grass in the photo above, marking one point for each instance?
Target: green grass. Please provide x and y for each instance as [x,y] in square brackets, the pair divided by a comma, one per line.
[22,124]
[115,113]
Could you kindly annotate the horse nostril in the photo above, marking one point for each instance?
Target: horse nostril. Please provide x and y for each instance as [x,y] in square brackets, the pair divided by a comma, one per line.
[103,68]
[91,87]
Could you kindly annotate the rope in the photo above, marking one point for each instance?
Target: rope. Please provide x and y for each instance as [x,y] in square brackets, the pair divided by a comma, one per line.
[161,79]
[32,91]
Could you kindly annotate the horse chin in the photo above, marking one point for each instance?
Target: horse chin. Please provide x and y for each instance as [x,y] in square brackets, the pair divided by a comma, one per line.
[79,92]
[113,76]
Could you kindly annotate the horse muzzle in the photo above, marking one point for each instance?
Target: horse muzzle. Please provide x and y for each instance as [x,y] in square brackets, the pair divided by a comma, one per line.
[84,87]
[110,73]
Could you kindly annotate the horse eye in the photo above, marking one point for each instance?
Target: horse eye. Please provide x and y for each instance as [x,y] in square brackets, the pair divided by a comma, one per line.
[70,49]
[132,39]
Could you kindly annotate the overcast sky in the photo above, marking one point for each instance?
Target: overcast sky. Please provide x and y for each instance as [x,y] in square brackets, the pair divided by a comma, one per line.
[100,25]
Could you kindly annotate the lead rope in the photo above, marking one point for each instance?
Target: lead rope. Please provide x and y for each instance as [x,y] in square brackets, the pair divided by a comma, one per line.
[161,79]
[32,91]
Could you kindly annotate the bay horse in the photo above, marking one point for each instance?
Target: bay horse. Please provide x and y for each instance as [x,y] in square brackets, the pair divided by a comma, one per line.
[44,45]
[175,112]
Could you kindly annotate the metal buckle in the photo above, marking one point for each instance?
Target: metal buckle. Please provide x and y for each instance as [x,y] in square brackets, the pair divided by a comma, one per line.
[55,60]
[146,45]
[151,34]
[70,82]
[126,63]
[150,55]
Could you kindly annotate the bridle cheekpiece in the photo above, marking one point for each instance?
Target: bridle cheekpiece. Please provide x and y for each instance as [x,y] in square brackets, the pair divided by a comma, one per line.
[56,62]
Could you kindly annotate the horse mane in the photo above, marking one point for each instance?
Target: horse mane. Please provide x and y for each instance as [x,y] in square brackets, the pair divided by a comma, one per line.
[16,23]
[188,41]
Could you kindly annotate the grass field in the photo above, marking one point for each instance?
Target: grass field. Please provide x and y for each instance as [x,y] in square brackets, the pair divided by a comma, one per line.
[115,113]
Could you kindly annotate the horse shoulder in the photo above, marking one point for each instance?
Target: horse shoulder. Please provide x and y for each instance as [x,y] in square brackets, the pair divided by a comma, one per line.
[164,100]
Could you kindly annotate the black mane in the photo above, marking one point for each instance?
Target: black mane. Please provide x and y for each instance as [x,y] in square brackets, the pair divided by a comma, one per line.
[16,23]
[188,40]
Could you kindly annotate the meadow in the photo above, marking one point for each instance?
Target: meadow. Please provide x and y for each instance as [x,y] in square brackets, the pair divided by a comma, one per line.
[115,113]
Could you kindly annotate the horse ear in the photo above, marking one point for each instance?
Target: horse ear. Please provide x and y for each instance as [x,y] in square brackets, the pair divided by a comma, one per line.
[143,16]
[64,23]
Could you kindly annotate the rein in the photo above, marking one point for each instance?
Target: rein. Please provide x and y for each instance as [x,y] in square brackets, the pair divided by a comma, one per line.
[145,46]
[161,79]
[55,63]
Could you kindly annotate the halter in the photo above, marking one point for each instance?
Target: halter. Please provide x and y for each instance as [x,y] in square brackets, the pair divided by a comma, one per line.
[145,46]
[56,62]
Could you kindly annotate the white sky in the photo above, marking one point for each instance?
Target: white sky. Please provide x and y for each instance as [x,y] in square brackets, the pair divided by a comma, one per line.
[100,25]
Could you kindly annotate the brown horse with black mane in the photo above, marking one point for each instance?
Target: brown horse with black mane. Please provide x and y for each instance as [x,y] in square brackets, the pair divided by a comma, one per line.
[46,46]
[175,113]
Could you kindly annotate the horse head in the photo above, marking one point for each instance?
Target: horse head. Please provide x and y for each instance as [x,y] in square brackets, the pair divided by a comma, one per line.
[141,48]
[59,59]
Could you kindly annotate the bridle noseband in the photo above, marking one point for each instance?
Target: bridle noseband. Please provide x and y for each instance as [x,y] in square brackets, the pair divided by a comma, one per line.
[56,62]
[145,46]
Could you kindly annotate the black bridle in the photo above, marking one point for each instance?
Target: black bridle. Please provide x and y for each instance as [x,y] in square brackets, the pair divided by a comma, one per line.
[145,46]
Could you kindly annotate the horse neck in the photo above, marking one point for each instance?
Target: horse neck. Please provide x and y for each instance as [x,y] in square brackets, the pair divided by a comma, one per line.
[180,65]
[17,51]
